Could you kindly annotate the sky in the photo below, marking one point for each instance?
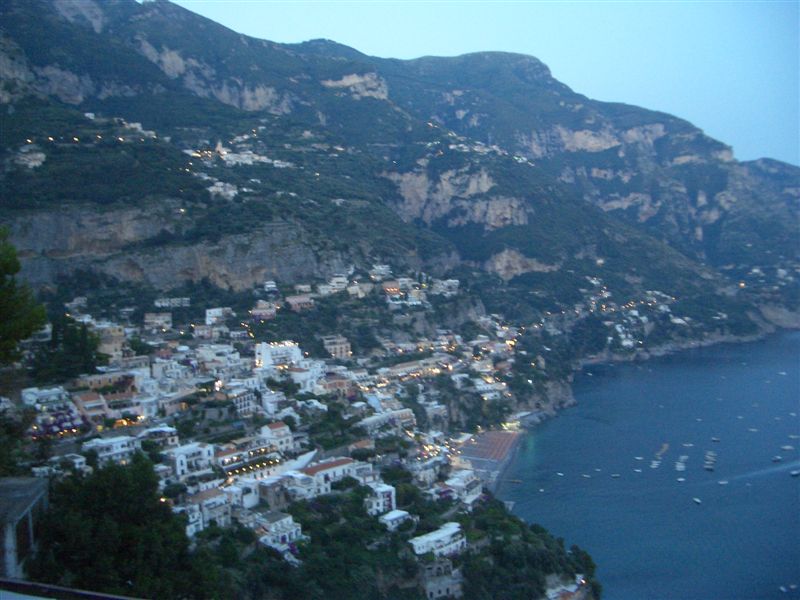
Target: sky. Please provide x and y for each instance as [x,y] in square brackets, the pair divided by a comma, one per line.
[731,68]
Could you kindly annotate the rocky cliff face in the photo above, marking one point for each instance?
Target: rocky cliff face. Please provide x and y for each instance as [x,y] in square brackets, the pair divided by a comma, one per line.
[116,242]
[459,196]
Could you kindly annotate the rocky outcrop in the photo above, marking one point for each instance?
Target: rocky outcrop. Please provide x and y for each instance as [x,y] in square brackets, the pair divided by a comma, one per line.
[82,11]
[510,263]
[238,262]
[369,85]
[19,78]
[458,196]
[55,243]
[203,80]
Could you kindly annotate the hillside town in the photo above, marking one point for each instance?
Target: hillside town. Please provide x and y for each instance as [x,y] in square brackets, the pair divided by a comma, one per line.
[241,430]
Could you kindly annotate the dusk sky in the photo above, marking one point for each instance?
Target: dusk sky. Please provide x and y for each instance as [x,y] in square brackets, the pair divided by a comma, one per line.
[731,68]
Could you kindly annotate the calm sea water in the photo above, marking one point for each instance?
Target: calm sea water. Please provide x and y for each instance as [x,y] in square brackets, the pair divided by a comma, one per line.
[650,538]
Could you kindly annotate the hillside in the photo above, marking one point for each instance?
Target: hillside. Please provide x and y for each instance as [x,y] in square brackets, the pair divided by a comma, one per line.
[209,154]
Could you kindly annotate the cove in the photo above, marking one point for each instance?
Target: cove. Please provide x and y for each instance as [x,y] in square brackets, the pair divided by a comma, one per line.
[626,474]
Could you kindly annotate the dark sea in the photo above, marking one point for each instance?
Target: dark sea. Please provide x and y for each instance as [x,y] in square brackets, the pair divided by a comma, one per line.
[623,473]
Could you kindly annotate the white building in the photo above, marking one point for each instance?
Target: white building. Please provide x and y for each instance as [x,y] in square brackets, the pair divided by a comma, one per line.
[163,435]
[35,396]
[274,354]
[215,316]
[393,519]
[445,541]
[271,400]
[381,500]
[326,472]
[306,374]
[244,399]
[191,459]
[337,346]
[214,505]
[194,518]
[280,530]
[119,449]
[279,435]
[467,486]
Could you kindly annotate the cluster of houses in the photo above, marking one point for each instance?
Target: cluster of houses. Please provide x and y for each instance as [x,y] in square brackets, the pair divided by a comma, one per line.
[136,405]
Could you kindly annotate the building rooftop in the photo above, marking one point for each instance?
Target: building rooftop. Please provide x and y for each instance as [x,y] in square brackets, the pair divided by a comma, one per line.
[394,514]
[274,516]
[314,469]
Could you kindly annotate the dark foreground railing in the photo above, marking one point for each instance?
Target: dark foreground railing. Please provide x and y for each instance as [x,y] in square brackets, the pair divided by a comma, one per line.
[33,590]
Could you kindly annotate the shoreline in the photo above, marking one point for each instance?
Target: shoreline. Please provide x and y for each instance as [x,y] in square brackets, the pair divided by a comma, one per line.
[503,466]
[691,381]
[557,402]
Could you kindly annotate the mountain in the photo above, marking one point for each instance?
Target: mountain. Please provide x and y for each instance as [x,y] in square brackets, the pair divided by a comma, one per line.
[210,154]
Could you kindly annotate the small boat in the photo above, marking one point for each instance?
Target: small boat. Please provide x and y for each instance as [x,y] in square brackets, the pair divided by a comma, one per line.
[787,448]
[795,473]
[777,458]
[560,474]
[714,439]
[615,475]
[585,476]
[697,500]
[723,482]
[708,467]
[681,479]
[638,470]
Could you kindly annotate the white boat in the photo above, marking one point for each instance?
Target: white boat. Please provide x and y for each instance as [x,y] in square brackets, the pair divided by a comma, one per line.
[777,458]
[697,500]
[794,473]
[787,448]
[723,482]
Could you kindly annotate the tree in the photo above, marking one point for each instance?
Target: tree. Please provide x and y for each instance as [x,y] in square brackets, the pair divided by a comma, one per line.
[110,532]
[22,315]
[71,351]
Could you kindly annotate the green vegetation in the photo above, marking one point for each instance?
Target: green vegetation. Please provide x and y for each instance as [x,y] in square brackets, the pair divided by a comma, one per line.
[14,456]
[21,315]
[78,172]
[71,351]
[110,532]
[517,558]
